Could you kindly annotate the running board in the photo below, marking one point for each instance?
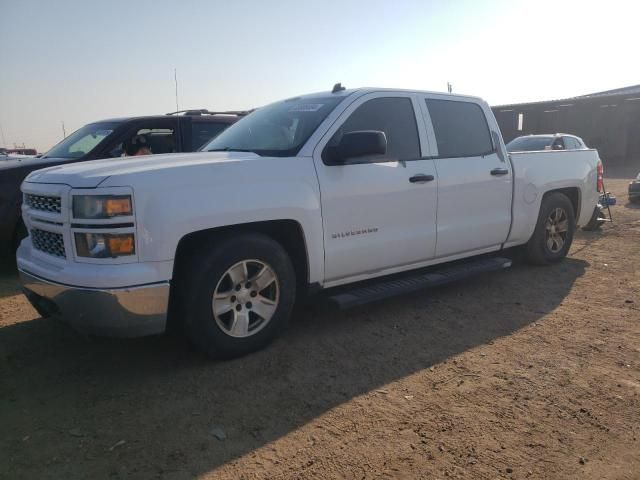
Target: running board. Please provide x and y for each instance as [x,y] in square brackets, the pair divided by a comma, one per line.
[412,283]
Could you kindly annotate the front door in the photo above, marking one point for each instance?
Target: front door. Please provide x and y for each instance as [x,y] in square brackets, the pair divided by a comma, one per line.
[379,212]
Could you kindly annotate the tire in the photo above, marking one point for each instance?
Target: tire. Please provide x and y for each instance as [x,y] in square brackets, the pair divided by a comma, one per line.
[548,244]
[594,223]
[243,328]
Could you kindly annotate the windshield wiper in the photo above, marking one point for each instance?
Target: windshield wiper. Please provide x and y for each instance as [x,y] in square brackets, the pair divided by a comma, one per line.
[229,149]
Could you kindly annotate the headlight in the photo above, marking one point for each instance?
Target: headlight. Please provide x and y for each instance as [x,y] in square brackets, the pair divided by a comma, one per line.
[105,245]
[101,206]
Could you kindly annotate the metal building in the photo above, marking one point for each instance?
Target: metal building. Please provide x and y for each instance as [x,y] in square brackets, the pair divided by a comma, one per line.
[608,121]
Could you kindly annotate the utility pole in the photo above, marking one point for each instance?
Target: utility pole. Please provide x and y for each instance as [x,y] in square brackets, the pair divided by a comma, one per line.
[175,78]
[4,141]
[449,87]
[64,132]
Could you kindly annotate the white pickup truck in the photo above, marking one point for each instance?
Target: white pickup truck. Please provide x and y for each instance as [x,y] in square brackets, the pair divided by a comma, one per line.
[309,193]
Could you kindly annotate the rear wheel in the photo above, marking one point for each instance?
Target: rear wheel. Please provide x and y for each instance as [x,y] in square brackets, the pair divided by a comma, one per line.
[553,235]
[237,295]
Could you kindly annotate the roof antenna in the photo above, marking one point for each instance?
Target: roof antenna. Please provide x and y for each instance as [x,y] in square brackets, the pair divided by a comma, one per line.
[337,88]
[175,79]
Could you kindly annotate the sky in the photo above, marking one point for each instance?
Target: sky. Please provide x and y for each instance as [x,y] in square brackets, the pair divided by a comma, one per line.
[78,61]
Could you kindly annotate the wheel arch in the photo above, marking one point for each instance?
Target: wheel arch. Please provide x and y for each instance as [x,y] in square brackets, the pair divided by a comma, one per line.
[572,193]
[286,232]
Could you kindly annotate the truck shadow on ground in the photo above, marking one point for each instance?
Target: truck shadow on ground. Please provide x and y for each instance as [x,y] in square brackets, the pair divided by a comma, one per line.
[68,402]
[9,285]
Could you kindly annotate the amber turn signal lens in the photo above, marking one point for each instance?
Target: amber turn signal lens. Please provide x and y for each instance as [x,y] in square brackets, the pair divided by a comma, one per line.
[118,206]
[121,244]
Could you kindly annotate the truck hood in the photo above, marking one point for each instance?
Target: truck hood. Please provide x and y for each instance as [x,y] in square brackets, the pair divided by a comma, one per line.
[93,173]
[10,162]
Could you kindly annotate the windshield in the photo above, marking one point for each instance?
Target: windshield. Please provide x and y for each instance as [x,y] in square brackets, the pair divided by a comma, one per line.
[277,130]
[529,144]
[82,141]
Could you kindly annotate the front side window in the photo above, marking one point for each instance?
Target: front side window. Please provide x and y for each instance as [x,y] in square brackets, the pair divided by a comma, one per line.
[460,127]
[82,141]
[392,115]
[277,130]
[147,140]
[572,143]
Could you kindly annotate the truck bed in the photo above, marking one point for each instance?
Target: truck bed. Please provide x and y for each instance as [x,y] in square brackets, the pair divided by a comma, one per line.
[573,170]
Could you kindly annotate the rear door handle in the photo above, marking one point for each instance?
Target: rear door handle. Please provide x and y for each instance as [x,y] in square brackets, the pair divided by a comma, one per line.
[421,178]
[499,171]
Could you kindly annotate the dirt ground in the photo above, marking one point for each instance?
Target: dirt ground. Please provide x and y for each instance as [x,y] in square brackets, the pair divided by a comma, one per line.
[527,373]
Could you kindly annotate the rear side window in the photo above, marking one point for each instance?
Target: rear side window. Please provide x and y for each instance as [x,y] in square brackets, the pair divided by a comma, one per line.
[392,115]
[461,128]
[202,132]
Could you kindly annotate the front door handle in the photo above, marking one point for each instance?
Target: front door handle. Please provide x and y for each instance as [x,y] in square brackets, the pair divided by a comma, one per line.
[499,171]
[421,178]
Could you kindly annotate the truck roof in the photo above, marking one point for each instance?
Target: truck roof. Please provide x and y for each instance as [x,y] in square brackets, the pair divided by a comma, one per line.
[365,90]
[218,118]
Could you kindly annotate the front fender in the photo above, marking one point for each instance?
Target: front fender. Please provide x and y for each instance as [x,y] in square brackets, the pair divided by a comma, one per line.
[170,205]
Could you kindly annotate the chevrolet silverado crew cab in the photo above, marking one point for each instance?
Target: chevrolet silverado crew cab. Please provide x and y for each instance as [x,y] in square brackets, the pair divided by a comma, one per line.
[181,132]
[328,191]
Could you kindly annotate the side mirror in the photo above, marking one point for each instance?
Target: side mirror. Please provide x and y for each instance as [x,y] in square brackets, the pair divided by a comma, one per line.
[359,144]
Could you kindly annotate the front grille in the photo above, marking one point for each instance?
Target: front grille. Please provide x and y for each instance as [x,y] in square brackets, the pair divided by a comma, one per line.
[48,242]
[41,202]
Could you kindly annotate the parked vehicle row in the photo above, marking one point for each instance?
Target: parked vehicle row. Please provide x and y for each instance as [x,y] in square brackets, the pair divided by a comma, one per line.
[313,193]
[106,139]
[18,151]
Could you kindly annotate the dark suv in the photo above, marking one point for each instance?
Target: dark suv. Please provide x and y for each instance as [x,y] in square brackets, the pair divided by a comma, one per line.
[184,131]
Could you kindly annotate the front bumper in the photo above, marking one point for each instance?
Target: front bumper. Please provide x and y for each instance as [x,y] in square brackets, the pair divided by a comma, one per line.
[634,189]
[122,312]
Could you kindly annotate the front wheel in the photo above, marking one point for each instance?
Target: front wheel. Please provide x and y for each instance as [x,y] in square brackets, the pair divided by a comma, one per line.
[238,295]
[554,230]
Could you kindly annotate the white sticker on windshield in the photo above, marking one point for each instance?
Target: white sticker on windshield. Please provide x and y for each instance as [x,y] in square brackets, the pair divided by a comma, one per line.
[307,107]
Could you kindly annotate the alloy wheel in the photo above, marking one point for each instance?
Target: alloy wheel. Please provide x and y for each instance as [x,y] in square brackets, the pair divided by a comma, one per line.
[557,228]
[246,298]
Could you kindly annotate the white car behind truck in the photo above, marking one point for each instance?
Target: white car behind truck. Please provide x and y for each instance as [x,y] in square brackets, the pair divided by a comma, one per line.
[309,193]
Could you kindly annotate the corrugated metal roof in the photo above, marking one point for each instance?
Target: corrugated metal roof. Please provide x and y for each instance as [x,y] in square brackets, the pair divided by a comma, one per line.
[632,90]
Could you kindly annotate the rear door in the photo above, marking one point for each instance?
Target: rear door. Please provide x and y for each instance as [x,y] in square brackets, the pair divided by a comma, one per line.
[378,212]
[474,183]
